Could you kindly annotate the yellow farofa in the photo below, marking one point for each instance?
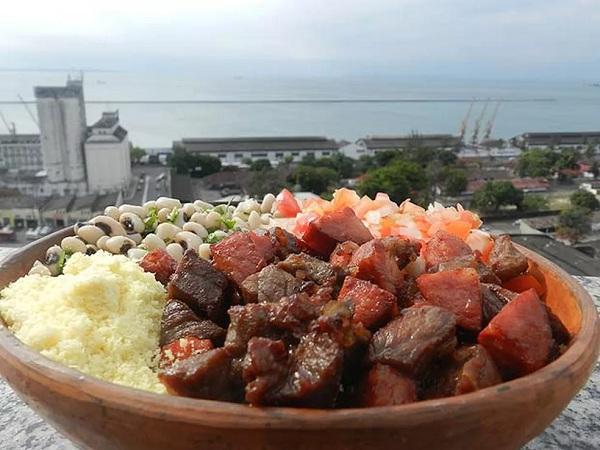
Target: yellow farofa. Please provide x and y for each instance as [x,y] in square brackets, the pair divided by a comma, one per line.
[102,317]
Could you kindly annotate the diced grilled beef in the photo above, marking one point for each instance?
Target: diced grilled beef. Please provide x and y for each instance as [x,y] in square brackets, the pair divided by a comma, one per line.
[242,254]
[160,263]
[284,243]
[414,339]
[373,306]
[444,247]
[203,288]
[505,260]
[179,321]
[271,284]
[493,299]
[486,275]
[205,375]
[385,386]
[309,268]
[313,380]
[249,288]
[342,254]
[265,368]
[456,290]
[292,315]
[519,337]
[245,322]
[324,233]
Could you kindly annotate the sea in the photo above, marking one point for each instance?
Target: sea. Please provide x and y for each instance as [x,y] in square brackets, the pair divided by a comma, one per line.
[159,108]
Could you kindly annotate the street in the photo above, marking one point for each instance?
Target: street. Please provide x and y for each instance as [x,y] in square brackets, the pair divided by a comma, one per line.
[152,187]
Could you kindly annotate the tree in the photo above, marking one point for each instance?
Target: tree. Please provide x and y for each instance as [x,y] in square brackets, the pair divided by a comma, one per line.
[584,199]
[400,180]
[455,181]
[185,162]
[207,164]
[537,162]
[265,181]
[495,194]
[315,179]
[260,164]
[385,157]
[534,203]
[574,223]
[136,153]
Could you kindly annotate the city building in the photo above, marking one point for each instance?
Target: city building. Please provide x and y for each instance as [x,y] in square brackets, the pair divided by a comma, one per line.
[576,140]
[20,152]
[20,211]
[107,155]
[234,151]
[374,144]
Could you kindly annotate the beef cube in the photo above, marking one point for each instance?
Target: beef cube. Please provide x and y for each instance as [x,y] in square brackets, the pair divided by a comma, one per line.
[203,288]
[242,254]
[284,243]
[386,386]
[376,261]
[245,322]
[183,348]
[493,299]
[292,315]
[336,320]
[342,254]
[160,263]
[444,247]
[373,306]
[313,380]
[205,375]
[505,260]
[414,339]
[486,275]
[519,338]
[249,288]
[179,321]
[456,290]
[306,267]
[274,283]
[325,232]
[264,370]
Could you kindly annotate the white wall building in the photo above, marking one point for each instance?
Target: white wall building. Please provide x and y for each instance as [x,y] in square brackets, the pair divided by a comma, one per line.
[107,155]
[21,152]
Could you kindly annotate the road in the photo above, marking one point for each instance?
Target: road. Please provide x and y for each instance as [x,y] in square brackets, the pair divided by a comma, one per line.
[150,189]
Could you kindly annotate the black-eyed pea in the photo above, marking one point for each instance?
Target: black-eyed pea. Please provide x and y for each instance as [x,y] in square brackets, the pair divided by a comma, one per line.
[101,242]
[152,242]
[254,220]
[204,251]
[139,211]
[109,225]
[135,237]
[175,250]
[213,220]
[167,202]
[131,222]
[112,211]
[119,245]
[163,215]
[167,231]
[195,228]
[187,211]
[39,269]
[90,233]
[136,254]
[267,203]
[202,206]
[188,240]
[73,245]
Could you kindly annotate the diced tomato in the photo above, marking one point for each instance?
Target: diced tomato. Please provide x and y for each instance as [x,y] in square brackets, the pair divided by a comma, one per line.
[183,348]
[160,263]
[519,337]
[286,204]
[456,290]
[521,283]
[458,228]
[373,306]
[344,198]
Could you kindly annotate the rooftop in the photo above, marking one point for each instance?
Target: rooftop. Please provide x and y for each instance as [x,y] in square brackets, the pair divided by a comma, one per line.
[381,141]
[283,143]
[108,120]
[118,135]
[19,138]
[58,203]
[73,89]
[20,201]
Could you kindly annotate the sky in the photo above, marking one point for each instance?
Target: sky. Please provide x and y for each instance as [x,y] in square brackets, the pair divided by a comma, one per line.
[454,38]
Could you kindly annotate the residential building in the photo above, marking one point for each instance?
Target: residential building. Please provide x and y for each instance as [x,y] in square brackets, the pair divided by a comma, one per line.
[54,212]
[21,152]
[374,144]
[592,186]
[576,140]
[20,211]
[234,151]
[107,155]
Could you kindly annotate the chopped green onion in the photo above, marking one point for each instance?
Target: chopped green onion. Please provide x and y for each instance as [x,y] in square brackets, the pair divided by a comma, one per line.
[151,221]
[172,217]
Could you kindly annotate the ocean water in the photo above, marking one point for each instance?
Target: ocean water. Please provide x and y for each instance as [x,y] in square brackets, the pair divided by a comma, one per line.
[341,108]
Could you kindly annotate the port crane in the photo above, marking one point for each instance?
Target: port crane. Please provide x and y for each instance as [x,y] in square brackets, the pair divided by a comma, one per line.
[465,123]
[490,125]
[10,127]
[29,111]
[475,136]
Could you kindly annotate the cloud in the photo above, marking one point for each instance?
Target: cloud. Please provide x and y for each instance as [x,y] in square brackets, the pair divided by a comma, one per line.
[466,38]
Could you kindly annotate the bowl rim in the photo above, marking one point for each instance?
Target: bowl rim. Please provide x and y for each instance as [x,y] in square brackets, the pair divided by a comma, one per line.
[217,413]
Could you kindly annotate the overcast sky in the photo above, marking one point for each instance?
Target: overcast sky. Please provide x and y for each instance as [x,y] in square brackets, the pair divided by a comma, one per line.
[487,38]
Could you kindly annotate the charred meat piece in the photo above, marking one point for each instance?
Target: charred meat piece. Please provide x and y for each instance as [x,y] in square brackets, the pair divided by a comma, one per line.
[308,268]
[315,371]
[456,290]
[414,339]
[493,299]
[336,320]
[486,275]
[183,348]
[373,306]
[323,233]
[264,370]
[377,261]
[342,254]
[160,264]
[205,375]
[271,284]
[385,386]
[519,338]
[203,288]
[242,254]
[179,321]
[245,322]
[444,247]
[249,288]
[292,315]
[505,260]
[283,242]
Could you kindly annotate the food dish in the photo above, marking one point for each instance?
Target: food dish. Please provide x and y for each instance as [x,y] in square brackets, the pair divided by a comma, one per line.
[568,322]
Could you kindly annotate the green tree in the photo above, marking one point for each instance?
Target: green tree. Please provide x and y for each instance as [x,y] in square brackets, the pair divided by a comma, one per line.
[400,179]
[455,181]
[207,164]
[136,153]
[534,203]
[584,199]
[197,165]
[537,162]
[574,223]
[385,157]
[495,194]
[315,179]
[260,164]
[265,181]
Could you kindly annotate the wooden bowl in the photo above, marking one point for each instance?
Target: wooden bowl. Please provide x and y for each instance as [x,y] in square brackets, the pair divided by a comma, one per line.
[100,415]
